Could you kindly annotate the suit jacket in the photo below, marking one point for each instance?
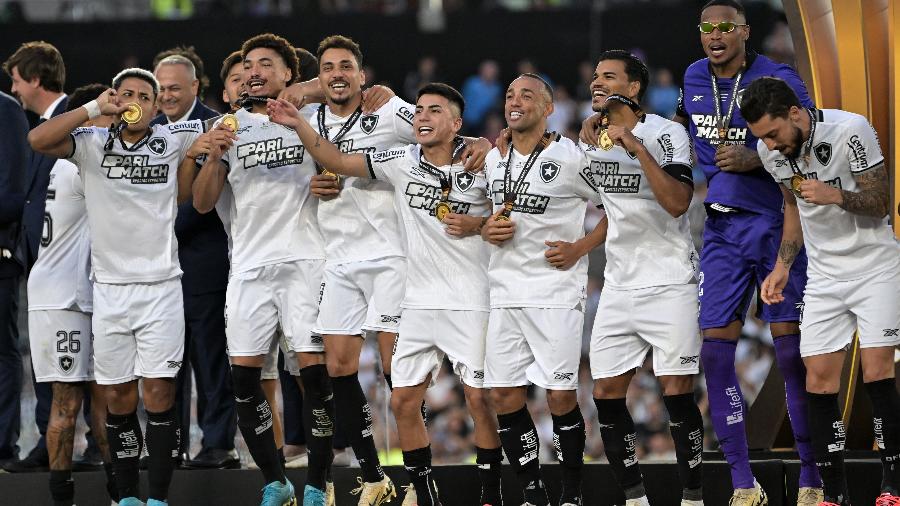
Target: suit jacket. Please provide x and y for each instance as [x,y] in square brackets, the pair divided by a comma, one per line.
[14,156]
[202,243]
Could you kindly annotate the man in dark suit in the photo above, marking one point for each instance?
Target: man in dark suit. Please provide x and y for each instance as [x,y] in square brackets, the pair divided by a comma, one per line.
[14,155]
[203,253]
[38,75]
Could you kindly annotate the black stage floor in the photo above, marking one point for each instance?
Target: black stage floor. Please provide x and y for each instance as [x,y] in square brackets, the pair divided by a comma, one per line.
[459,484]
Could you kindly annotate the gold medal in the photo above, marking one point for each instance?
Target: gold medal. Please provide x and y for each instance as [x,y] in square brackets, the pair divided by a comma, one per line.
[133,114]
[796,181]
[337,177]
[604,141]
[230,121]
[507,210]
[723,134]
[441,210]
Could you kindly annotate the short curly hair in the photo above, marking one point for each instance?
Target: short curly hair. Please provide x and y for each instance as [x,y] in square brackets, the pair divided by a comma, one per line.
[278,44]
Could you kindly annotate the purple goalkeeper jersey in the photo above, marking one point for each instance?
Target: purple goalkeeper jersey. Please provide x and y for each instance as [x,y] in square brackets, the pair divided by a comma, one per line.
[753,191]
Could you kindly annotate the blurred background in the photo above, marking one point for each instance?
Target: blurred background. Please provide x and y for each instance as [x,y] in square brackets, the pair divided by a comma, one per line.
[477,46]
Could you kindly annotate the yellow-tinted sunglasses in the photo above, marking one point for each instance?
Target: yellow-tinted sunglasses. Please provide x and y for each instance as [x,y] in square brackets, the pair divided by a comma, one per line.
[723,26]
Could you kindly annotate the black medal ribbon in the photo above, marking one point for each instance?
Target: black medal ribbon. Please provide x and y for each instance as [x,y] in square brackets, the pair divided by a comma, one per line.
[323,131]
[510,190]
[246,101]
[438,173]
[724,122]
[807,146]
[115,132]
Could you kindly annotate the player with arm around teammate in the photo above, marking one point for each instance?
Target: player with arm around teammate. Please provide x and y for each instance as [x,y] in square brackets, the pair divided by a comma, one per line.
[445,302]
[834,180]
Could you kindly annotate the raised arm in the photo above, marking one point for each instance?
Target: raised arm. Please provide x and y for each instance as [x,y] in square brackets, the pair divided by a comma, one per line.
[52,136]
[327,154]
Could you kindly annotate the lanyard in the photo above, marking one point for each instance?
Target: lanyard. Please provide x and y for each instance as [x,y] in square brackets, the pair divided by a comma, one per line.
[724,122]
[510,190]
[344,128]
[807,147]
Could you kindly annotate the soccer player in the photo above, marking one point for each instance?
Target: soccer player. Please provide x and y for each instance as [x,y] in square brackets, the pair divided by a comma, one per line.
[59,317]
[130,192]
[538,281]
[740,242]
[365,266]
[649,298]
[276,265]
[445,305]
[835,182]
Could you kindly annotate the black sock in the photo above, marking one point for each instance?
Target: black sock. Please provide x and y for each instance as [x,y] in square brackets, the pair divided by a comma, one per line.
[686,426]
[62,487]
[125,444]
[318,418]
[489,461]
[418,465]
[520,442]
[568,439]
[828,437]
[886,419]
[255,421]
[111,481]
[281,459]
[619,441]
[355,416]
[162,447]
[387,377]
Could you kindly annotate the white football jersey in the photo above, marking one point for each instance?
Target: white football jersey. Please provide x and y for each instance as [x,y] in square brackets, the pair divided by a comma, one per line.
[362,223]
[130,194]
[443,271]
[645,245]
[840,245]
[550,206]
[60,278]
[273,217]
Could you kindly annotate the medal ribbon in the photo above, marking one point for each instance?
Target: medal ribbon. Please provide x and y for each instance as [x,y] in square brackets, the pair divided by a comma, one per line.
[320,116]
[438,173]
[725,121]
[115,132]
[807,147]
[510,190]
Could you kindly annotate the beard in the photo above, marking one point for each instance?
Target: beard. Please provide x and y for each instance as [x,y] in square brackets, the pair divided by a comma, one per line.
[792,150]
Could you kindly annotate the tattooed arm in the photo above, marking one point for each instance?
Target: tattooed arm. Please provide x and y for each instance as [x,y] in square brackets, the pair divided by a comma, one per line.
[791,245]
[874,196]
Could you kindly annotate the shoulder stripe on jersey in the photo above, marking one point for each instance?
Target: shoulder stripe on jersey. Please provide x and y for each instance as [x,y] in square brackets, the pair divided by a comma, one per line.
[369,166]
[680,172]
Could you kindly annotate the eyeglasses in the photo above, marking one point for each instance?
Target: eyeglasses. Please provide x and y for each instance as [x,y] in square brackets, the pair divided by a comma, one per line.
[723,26]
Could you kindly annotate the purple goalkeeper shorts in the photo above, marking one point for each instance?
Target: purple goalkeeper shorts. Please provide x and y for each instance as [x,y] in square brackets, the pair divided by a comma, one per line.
[739,251]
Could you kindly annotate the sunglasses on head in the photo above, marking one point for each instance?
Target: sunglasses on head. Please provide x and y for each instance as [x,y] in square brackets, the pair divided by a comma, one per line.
[723,26]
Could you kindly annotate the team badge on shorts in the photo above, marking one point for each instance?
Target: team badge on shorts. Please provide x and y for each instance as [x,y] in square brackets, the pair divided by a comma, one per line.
[549,171]
[368,123]
[66,363]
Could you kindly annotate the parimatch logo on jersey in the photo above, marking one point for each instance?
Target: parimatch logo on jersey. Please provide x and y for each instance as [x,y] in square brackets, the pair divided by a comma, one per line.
[606,175]
[271,153]
[136,168]
[527,203]
[709,130]
[423,196]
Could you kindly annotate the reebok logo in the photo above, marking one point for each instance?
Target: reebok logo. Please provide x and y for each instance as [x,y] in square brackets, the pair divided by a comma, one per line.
[174,364]
[563,376]
[386,318]
[891,332]
[689,360]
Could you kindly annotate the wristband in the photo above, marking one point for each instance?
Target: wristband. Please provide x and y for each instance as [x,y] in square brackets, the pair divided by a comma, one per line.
[92,108]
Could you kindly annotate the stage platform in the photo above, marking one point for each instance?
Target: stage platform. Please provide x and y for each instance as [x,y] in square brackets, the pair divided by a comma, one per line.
[459,484]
